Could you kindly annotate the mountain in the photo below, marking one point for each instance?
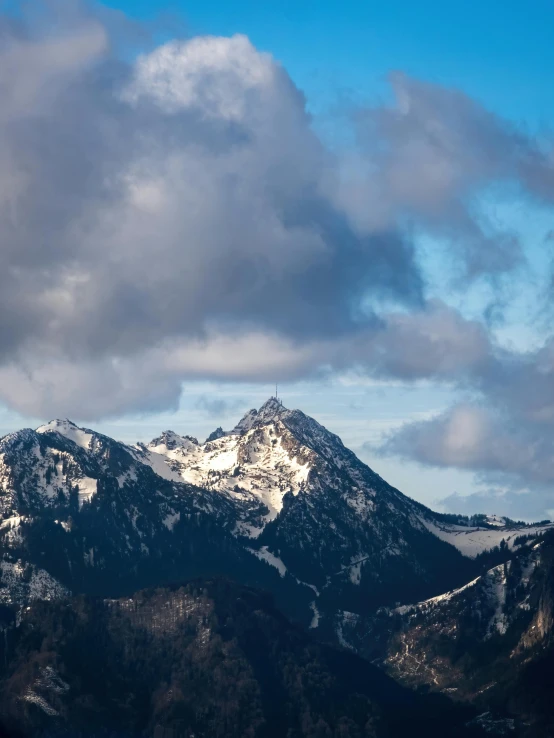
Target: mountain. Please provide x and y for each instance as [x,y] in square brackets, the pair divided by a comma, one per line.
[278,502]
[490,642]
[207,659]
[82,513]
[311,508]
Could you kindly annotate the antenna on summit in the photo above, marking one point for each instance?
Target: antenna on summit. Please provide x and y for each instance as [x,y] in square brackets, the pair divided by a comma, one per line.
[276,394]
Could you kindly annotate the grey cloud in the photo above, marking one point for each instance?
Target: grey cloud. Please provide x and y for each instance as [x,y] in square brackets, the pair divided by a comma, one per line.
[474,437]
[144,381]
[138,220]
[436,342]
[218,407]
[430,153]
[506,431]
[522,383]
[179,217]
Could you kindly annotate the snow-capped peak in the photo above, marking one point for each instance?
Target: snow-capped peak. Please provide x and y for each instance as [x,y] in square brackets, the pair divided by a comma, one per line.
[58,424]
[269,411]
[254,465]
[80,436]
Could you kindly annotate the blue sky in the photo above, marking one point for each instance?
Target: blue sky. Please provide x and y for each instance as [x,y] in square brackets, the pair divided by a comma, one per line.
[388,259]
[499,52]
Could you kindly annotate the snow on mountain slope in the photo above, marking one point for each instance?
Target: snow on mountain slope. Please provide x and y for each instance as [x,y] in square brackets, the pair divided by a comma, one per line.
[85,507]
[315,508]
[44,474]
[440,642]
[487,593]
[256,464]
[68,429]
[61,466]
[24,583]
[312,505]
[496,520]
[272,451]
[490,642]
[91,514]
[279,499]
[473,541]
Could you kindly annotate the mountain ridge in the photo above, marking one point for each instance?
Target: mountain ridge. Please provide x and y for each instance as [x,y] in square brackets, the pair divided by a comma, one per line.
[278,502]
[489,642]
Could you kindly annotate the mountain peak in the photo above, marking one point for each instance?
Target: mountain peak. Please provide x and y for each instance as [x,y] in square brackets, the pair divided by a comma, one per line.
[58,424]
[172,440]
[215,435]
[270,410]
[67,428]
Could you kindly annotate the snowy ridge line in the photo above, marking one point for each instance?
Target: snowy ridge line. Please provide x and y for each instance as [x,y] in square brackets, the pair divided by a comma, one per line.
[255,464]
[473,541]
[493,586]
[318,513]
[268,454]
[434,601]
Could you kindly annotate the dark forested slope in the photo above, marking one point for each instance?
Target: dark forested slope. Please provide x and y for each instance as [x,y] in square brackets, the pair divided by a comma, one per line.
[207,659]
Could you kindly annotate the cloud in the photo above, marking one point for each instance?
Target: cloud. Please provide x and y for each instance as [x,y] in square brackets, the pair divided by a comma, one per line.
[436,342]
[218,407]
[429,155]
[504,435]
[177,216]
[145,381]
[473,437]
